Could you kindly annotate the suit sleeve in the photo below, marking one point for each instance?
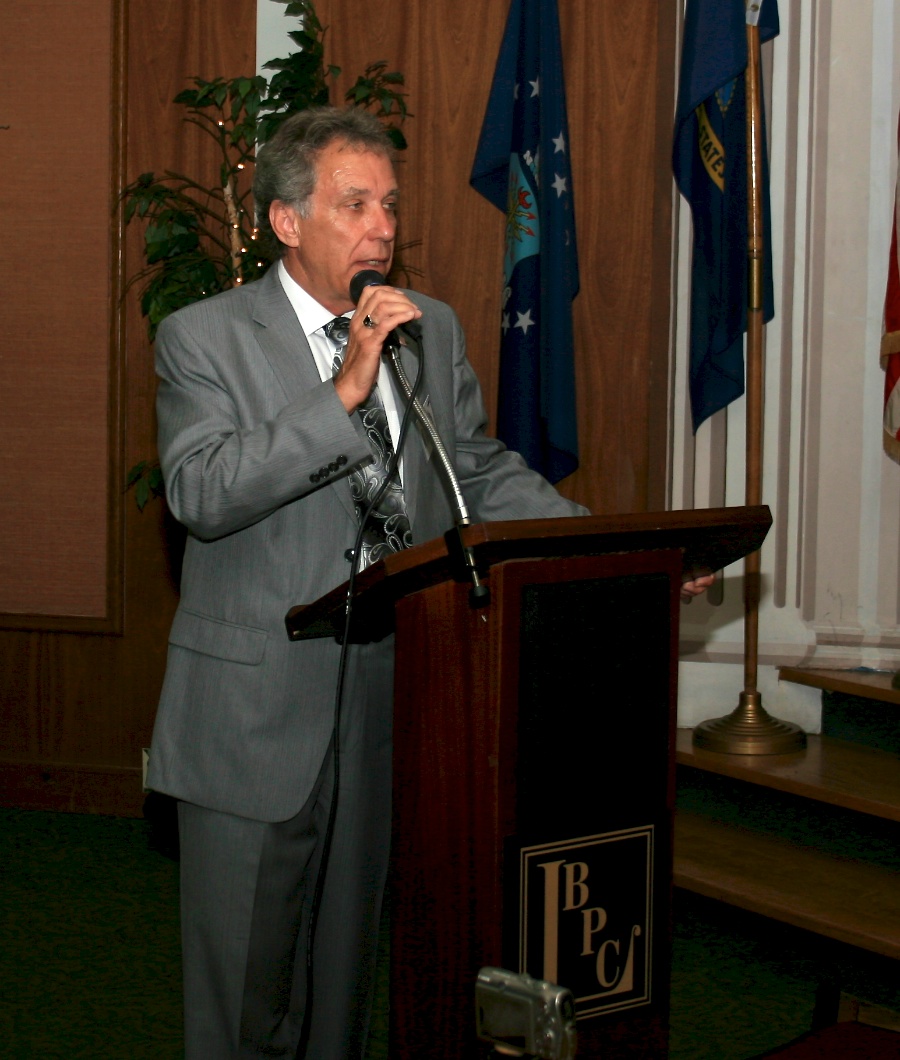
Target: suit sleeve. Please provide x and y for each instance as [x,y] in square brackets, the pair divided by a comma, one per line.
[233,448]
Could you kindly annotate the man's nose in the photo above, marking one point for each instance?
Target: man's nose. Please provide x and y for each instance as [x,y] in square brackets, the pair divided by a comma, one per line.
[384,224]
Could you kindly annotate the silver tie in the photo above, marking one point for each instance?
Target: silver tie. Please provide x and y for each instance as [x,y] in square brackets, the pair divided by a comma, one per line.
[387,527]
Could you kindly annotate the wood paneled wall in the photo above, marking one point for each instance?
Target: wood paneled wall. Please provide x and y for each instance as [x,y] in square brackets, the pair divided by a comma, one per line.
[78,708]
[60,566]
[619,66]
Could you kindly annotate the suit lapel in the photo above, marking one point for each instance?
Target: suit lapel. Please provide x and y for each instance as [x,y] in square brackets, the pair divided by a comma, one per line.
[284,345]
[281,338]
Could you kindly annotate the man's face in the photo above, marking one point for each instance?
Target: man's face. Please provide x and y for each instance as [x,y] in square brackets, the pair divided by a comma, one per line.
[350,223]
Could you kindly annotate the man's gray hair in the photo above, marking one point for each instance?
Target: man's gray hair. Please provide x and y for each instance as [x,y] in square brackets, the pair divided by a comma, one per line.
[286,164]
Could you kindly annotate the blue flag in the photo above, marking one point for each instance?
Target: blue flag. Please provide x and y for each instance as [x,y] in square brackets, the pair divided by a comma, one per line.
[522,167]
[710,164]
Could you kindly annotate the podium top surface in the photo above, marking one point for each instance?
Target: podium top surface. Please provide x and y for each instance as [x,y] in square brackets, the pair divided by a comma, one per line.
[708,538]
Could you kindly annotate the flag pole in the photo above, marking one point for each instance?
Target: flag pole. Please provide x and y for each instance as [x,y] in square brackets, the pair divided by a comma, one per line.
[750,729]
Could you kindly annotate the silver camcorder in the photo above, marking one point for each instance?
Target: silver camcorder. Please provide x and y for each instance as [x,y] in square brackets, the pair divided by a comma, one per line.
[521,1016]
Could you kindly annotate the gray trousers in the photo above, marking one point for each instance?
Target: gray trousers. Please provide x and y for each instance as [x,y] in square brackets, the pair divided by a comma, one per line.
[247,889]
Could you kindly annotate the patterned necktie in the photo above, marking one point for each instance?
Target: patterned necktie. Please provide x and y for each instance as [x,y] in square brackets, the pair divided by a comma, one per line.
[387,528]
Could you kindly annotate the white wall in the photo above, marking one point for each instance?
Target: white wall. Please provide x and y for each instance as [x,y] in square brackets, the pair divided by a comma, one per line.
[830,564]
[272,29]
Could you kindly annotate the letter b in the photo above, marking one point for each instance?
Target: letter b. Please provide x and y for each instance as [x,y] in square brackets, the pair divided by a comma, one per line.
[575,884]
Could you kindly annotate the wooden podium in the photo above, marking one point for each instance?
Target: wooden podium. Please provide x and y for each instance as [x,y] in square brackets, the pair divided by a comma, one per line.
[534,782]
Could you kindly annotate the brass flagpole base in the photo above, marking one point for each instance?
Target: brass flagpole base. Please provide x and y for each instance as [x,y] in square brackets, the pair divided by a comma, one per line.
[749,730]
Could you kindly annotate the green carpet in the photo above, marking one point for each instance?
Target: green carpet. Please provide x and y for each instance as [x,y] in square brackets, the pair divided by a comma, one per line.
[89,954]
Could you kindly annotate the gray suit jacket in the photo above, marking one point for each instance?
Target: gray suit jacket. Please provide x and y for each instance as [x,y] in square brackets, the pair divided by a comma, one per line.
[251,443]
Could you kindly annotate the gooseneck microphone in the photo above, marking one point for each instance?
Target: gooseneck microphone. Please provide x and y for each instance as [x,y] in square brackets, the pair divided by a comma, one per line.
[480,594]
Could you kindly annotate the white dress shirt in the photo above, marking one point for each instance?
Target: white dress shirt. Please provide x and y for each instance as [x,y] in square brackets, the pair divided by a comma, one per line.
[313,318]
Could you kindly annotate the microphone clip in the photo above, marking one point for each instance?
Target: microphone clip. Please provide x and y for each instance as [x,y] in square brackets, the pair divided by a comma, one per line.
[465,569]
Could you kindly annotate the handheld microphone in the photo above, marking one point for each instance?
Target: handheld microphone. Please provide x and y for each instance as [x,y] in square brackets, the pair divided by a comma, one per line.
[362,280]
[372,278]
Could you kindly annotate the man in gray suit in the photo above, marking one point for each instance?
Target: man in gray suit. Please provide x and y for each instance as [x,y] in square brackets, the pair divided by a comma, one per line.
[259,441]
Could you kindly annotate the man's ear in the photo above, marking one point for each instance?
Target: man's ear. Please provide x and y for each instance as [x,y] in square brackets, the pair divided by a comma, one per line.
[285,222]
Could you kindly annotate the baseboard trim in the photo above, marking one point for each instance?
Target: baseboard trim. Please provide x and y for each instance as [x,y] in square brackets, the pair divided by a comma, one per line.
[71,789]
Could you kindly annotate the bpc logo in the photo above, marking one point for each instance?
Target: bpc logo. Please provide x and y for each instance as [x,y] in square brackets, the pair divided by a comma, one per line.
[585,917]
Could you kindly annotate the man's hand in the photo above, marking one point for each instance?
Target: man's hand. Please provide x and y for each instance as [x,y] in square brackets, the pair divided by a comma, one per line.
[696,587]
[386,308]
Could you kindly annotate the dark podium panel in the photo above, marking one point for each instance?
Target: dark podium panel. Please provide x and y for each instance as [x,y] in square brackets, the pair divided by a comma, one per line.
[534,766]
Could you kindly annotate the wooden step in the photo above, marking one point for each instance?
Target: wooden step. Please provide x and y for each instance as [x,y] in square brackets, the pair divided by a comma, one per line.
[851,901]
[841,1041]
[837,772]
[869,684]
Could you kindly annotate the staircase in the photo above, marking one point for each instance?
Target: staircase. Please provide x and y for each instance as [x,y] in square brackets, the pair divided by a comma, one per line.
[810,839]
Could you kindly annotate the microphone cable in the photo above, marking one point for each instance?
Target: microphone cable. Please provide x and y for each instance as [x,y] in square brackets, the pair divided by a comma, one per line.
[392,466]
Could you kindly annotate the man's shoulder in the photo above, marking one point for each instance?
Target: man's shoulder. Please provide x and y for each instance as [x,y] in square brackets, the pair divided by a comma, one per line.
[237,303]
[432,308]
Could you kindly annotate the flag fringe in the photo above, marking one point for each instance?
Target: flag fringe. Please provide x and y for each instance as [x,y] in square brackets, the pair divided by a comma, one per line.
[890,343]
